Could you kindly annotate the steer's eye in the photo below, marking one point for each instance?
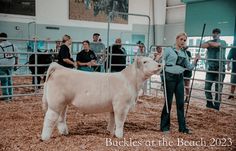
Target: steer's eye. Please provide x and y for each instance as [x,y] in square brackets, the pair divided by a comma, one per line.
[144,62]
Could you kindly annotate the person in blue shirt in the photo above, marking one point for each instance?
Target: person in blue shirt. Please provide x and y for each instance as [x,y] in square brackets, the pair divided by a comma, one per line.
[214,51]
[176,62]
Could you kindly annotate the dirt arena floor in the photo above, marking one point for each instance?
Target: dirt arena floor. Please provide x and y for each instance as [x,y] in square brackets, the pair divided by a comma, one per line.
[21,124]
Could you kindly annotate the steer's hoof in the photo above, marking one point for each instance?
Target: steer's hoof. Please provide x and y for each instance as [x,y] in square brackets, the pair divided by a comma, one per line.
[44,138]
[65,133]
[119,135]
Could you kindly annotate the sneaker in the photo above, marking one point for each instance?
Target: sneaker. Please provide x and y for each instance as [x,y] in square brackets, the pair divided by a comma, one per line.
[231,97]
[185,131]
[165,130]
[217,108]
[210,105]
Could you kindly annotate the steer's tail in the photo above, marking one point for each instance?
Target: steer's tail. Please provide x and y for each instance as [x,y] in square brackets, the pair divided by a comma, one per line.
[50,71]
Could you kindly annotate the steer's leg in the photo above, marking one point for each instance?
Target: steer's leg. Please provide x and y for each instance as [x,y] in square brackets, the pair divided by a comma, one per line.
[121,111]
[49,122]
[111,124]
[61,123]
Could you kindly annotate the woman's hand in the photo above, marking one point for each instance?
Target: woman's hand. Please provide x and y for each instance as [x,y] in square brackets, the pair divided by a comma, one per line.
[197,57]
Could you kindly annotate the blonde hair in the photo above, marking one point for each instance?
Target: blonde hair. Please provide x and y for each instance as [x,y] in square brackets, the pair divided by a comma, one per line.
[65,38]
[118,40]
[181,34]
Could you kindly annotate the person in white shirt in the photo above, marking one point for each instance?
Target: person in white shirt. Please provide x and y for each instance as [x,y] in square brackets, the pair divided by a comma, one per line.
[8,58]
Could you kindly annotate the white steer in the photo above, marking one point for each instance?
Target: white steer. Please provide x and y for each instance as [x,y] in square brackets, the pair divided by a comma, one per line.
[93,93]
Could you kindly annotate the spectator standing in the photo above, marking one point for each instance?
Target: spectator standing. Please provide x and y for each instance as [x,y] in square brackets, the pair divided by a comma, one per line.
[214,51]
[232,56]
[8,58]
[118,58]
[64,55]
[99,49]
[141,49]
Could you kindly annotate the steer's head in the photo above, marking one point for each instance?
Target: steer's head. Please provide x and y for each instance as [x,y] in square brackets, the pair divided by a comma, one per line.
[147,66]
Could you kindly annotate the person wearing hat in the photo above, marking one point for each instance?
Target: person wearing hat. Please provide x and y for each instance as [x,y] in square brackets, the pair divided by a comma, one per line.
[96,37]
[214,51]
[98,48]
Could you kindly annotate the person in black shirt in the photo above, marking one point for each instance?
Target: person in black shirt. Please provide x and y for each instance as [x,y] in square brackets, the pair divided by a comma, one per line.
[117,59]
[64,56]
[86,58]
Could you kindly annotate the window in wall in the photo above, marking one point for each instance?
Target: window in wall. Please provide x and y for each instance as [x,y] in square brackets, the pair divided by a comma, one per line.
[18,7]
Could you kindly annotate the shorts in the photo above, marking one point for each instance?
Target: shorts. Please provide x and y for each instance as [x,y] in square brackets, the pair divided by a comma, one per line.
[187,74]
[233,79]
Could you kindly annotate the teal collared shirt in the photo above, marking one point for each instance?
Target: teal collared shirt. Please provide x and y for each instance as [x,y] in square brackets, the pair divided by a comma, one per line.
[216,53]
[171,55]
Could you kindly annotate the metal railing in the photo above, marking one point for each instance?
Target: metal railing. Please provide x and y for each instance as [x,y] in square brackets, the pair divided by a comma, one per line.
[153,83]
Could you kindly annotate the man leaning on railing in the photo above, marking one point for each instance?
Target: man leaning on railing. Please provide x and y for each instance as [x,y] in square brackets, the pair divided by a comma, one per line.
[214,64]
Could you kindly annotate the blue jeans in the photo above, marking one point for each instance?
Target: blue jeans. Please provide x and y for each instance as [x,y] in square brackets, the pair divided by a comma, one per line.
[6,81]
[174,86]
[84,68]
[214,77]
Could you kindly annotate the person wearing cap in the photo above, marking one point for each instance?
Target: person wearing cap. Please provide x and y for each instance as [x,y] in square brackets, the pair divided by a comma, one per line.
[8,58]
[214,51]
[98,48]
[96,37]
